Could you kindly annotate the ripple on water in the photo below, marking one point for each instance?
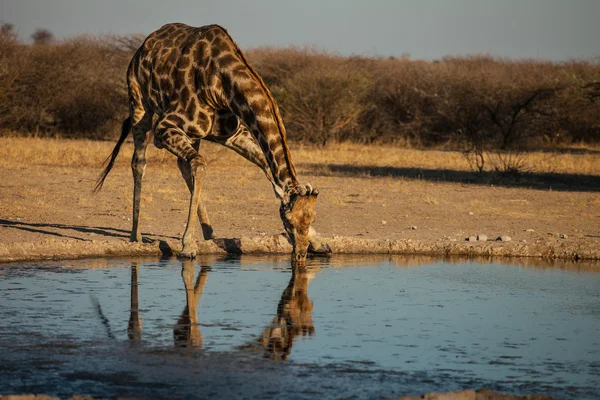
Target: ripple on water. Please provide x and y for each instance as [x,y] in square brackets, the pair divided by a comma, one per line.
[503,326]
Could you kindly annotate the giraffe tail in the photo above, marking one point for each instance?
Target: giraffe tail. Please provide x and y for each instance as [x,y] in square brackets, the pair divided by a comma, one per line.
[110,160]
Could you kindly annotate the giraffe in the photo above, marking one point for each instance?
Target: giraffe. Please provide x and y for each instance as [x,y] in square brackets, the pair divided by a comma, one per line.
[186,84]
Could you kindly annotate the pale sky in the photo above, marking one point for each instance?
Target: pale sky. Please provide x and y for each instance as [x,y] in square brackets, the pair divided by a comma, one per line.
[424,29]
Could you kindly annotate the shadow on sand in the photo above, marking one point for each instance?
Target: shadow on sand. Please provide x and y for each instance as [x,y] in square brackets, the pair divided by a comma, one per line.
[51,229]
[538,181]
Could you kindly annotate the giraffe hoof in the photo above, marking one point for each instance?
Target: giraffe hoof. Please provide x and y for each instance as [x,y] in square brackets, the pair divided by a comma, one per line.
[135,238]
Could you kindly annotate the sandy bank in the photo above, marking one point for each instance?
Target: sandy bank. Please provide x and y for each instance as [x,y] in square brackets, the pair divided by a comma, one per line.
[56,249]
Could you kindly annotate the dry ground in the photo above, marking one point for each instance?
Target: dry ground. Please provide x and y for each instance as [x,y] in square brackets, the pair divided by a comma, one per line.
[379,193]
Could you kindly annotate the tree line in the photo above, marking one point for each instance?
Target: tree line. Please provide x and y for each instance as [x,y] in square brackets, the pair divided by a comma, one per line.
[76,88]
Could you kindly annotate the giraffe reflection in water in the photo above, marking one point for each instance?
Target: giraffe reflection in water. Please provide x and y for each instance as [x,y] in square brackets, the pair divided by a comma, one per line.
[134,327]
[293,317]
[186,332]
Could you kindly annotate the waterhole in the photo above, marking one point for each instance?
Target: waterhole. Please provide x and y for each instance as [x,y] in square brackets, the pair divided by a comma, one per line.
[246,327]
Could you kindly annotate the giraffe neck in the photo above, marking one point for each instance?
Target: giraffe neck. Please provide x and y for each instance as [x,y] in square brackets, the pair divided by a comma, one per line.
[261,115]
[271,136]
[251,100]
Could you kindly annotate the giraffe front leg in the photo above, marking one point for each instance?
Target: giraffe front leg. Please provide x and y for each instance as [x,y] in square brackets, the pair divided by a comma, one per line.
[245,145]
[186,172]
[171,137]
[242,142]
[198,167]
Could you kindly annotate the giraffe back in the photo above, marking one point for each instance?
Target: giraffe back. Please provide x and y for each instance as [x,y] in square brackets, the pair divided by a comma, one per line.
[187,74]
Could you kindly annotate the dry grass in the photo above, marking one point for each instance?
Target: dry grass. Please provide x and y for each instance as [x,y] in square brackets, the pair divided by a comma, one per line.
[16,151]
[389,156]
[76,88]
[46,191]
[69,153]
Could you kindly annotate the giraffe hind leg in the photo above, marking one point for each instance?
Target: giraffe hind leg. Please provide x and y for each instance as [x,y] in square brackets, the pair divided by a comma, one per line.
[141,137]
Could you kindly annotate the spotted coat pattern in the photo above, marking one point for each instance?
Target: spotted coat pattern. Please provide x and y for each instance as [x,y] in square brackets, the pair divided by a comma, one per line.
[191,83]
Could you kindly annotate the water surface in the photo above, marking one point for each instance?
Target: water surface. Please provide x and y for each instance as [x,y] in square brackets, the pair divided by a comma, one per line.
[240,327]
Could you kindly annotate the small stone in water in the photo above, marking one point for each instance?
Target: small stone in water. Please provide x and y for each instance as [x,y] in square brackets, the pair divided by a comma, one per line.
[414,228]
[562,236]
[482,237]
[383,222]
[529,230]
[504,238]
[471,239]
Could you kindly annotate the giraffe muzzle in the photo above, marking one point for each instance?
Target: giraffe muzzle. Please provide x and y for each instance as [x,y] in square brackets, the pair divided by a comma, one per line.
[299,256]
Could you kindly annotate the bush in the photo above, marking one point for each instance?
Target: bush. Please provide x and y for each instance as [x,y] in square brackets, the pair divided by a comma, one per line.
[323,102]
[480,104]
[94,98]
[73,88]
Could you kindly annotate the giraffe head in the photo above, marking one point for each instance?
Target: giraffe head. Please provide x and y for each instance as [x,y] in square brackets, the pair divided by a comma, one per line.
[297,213]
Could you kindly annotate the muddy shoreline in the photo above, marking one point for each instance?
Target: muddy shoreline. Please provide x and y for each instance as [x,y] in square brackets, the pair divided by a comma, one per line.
[62,249]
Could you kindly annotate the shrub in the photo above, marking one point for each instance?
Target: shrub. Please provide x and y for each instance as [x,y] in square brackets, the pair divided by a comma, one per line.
[93,100]
[75,88]
[480,104]
[323,102]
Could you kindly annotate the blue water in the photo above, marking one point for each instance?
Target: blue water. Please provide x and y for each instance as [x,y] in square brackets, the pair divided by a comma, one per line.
[519,329]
